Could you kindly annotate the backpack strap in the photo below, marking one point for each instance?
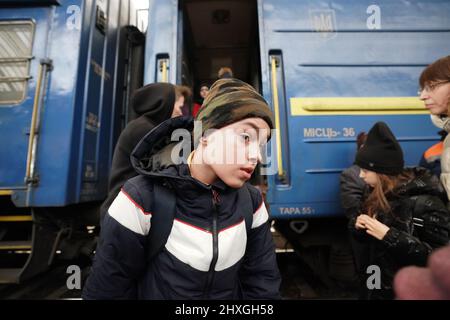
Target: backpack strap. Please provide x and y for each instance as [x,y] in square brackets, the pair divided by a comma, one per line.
[163,213]
[246,203]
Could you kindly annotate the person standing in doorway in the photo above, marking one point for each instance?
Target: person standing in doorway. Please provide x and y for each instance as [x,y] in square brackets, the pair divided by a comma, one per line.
[203,93]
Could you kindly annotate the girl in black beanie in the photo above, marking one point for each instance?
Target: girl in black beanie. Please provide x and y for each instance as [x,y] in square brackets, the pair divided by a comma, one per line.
[403,217]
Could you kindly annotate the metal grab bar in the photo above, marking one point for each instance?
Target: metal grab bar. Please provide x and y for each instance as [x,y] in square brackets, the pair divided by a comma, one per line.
[273,62]
[162,65]
[14,79]
[163,69]
[44,67]
[15,59]
[33,122]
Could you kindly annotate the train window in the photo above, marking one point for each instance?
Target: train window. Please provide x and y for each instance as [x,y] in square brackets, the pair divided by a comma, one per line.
[16,39]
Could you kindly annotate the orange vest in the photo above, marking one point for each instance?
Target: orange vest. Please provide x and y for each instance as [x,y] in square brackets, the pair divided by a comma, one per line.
[434,152]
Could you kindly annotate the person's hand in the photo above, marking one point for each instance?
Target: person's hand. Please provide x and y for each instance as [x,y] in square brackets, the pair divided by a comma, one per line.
[359,223]
[373,227]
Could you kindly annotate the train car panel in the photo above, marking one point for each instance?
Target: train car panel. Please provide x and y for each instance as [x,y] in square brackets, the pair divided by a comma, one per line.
[75,118]
[97,76]
[57,111]
[19,34]
[336,68]
[162,48]
[71,61]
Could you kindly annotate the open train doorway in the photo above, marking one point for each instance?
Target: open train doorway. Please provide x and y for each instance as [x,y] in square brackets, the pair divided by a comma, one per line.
[218,34]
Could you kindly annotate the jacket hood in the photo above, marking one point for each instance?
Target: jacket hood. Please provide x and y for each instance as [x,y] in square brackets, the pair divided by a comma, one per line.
[155,101]
[153,154]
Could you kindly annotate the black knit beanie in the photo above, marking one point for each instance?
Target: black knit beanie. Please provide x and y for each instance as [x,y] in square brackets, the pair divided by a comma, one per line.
[381,153]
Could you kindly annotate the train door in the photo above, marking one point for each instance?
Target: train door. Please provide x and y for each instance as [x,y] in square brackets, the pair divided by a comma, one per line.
[96,78]
[196,38]
[22,50]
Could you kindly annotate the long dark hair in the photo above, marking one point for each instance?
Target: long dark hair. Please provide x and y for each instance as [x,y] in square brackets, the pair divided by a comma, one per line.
[377,201]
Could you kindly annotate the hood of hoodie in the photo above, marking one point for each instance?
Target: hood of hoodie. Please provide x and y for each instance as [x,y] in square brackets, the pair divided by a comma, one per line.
[155,101]
[153,155]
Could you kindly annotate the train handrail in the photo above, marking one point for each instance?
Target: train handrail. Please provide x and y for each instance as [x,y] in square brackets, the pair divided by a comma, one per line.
[14,79]
[44,67]
[15,59]
[163,70]
[33,123]
[276,107]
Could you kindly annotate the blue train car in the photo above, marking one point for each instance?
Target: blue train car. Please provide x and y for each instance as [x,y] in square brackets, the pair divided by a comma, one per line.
[338,67]
[63,84]
[330,69]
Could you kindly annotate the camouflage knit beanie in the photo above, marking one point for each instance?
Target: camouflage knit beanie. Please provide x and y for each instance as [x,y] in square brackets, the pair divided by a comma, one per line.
[232,100]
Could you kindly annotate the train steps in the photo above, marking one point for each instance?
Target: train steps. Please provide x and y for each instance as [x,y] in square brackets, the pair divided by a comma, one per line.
[27,246]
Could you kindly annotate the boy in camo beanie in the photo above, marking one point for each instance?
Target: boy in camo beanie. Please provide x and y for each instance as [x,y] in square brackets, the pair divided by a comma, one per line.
[232,100]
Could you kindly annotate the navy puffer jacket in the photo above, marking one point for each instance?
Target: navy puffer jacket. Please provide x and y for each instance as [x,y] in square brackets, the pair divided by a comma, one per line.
[208,254]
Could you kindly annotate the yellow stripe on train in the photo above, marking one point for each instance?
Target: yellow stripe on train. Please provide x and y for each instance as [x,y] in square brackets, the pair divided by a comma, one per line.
[356,106]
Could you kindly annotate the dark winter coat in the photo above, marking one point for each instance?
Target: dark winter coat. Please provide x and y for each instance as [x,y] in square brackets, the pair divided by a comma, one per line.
[352,189]
[431,158]
[208,254]
[419,222]
[153,104]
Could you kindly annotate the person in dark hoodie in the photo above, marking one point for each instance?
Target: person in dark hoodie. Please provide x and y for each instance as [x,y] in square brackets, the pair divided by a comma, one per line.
[213,250]
[403,217]
[153,103]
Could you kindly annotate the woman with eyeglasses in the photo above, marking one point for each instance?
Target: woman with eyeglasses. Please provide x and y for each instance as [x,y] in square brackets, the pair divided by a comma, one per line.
[435,93]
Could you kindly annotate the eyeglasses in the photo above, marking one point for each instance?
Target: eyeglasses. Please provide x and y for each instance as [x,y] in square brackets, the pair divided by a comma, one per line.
[430,87]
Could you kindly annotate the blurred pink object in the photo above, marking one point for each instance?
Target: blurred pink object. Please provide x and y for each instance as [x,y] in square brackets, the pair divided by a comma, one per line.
[430,283]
